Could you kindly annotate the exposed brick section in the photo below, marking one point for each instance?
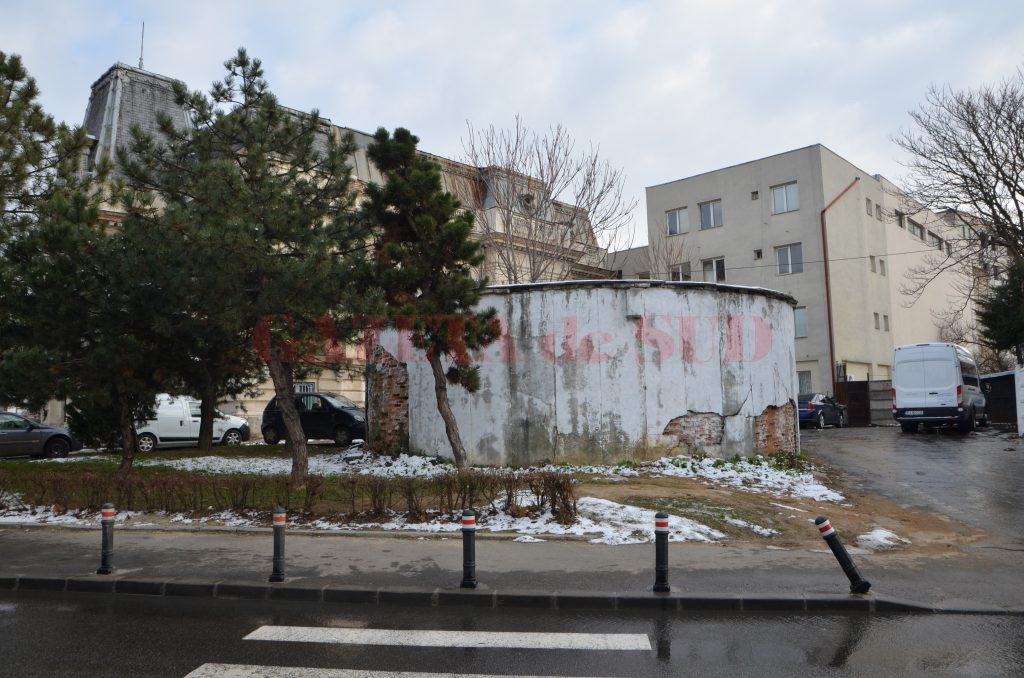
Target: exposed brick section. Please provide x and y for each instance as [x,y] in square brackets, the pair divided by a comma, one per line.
[775,430]
[387,403]
[696,431]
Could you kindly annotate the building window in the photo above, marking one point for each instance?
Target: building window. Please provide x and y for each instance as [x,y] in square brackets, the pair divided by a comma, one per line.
[949,249]
[934,240]
[680,272]
[878,211]
[643,275]
[754,195]
[881,266]
[305,386]
[874,269]
[790,259]
[803,378]
[710,214]
[916,229]
[678,221]
[877,324]
[757,254]
[901,219]
[714,270]
[885,322]
[800,321]
[785,198]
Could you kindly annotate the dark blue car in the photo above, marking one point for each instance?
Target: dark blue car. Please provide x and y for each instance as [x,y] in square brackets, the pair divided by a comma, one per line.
[820,410]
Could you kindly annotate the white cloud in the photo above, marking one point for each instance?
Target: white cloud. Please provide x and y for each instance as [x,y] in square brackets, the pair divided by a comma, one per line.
[667,89]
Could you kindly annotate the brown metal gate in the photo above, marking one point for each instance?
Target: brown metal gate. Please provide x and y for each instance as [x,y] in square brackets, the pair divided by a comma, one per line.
[856,395]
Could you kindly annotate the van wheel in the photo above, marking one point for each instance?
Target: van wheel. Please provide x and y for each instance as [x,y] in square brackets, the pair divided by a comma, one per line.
[146,442]
[984,420]
[967,425]
[342,437]
[271,436]
[909,427]
[232,437]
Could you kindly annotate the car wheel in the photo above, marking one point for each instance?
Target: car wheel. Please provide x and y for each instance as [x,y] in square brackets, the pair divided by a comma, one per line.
[271,436]
[232,437]
[909,426]
[819,421]
[842,420]
[146,442]
[57,448]
[341,436]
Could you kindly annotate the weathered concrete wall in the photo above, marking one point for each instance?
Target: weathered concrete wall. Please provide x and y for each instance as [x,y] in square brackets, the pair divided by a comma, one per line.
[609,370]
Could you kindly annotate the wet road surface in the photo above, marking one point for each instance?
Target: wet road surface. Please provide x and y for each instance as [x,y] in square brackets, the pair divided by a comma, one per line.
[95,635]
[976,478]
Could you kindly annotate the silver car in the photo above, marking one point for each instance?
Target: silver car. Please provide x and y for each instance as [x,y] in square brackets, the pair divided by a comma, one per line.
[23,437]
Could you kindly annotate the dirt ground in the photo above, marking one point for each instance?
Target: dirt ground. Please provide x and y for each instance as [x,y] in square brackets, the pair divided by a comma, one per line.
[929,534]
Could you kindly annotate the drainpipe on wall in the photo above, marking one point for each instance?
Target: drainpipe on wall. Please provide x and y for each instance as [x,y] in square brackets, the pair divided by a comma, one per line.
[828,285]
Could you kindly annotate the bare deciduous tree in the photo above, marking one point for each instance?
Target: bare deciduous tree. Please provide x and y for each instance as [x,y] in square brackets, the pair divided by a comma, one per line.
[545,210]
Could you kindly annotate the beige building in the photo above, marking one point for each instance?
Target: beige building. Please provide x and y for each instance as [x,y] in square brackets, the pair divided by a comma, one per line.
[845,243]
[126,96]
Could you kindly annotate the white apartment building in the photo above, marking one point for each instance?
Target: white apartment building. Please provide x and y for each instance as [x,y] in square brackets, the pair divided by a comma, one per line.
[813,225]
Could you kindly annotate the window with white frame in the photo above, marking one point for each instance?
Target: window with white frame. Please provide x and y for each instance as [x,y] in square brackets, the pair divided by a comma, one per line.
[785,198]
[305,386]
[878,211]
[916,229]
[714,270]
[803,378]
[710,214]
[934,240]
[680,272]
[678,221]
[790,259]
[800,321]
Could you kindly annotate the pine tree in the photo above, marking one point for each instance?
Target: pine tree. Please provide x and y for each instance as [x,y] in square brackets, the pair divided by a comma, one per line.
[1001,312]
[262,194]
[424,263]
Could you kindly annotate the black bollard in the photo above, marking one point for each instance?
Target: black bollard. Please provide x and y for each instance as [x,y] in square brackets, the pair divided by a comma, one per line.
[858,584]
[661,553]
[468,550]
[279,523]
[107,514]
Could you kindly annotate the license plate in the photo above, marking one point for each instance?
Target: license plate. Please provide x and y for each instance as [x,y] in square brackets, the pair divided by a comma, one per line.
[914,413]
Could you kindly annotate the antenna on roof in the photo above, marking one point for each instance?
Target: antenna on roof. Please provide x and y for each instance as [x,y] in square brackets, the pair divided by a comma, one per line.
[142,43]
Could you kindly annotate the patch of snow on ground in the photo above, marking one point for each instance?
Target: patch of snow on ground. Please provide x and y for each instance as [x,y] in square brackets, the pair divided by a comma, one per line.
[880,538]
[752,476]
[756,529]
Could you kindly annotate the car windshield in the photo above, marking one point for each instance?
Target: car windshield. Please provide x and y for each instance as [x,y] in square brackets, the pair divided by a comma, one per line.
[338,401]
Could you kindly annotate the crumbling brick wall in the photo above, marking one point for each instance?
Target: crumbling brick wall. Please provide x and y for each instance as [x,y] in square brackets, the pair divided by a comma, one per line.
[696,431]
[387,403]
[775,430]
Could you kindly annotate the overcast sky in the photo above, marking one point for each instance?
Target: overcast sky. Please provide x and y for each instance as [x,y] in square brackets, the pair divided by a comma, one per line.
[666,89]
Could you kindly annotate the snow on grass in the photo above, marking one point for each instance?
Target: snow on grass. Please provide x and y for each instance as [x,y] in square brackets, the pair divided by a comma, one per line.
[756,529]
[879,539]
[755,476]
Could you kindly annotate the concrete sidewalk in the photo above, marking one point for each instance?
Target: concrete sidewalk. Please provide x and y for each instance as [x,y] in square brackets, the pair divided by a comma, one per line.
[427,570]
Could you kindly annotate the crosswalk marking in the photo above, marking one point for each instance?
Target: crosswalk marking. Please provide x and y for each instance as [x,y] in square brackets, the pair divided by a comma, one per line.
[486,639]
[254,671]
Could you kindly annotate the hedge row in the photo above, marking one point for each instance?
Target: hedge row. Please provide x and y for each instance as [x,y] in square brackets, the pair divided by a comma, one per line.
[364,496]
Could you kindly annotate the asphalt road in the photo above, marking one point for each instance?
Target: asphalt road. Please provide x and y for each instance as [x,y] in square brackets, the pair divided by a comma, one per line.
[90,635]
[976,478]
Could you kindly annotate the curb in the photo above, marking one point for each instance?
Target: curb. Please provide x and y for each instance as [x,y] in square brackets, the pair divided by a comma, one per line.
[553,600]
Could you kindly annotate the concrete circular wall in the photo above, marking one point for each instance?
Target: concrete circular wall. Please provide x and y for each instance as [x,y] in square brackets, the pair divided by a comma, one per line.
[601,371]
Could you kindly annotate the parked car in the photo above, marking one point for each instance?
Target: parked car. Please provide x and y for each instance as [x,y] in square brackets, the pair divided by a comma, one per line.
[20,436]
[936,384]
[819,410]
[177,424]
[324,416]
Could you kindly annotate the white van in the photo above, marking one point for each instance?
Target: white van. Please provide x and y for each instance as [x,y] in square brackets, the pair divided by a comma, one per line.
[177,423]
[936,385]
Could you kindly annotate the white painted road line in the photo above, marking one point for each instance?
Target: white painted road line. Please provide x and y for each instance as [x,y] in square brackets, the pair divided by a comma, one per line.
[419,638]
[253,671]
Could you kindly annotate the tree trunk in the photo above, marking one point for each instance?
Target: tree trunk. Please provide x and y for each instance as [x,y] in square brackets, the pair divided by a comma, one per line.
[295,437]
[451,427]
[207,411]
[129,441]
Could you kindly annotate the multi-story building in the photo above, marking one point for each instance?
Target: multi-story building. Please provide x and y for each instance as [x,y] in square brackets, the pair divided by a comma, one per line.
[125,97]
[846,244]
